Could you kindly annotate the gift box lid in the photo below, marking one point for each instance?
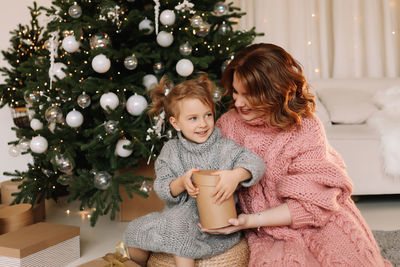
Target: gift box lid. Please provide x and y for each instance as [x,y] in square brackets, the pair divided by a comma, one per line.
[35,237]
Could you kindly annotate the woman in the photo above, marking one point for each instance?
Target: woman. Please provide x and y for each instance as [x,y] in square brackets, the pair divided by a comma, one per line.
[300,213]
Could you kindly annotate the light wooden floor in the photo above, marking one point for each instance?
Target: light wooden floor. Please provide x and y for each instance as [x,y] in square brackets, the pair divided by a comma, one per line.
[380,212]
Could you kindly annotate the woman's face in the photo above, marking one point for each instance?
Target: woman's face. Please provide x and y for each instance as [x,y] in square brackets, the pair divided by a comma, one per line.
[242,105]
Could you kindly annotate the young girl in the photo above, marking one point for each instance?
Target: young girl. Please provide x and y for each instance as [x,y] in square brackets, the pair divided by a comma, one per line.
[190,108]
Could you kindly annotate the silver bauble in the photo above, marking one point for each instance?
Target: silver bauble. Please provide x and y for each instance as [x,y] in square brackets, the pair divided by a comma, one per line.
[75,11]
[195,21]
[158,68]
[83,100]
[111,126]
[31,96]
[146,187]
[202,30]
[131,62]
[102,180]
[53,114]
[63,164]
[220,9]
[185,49]
[223,28]
[99,40]
[24,144]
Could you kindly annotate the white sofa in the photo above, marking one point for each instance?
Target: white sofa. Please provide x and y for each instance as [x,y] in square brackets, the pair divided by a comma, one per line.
[349,103]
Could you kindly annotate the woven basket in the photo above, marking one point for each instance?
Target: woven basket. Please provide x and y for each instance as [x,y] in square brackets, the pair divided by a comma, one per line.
[237,256]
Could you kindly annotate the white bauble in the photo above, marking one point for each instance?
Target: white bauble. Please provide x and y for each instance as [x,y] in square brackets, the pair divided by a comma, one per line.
[120,150]
[146,25]
[109,100]
[70,44]
[74,119]
[101,63]
[136,104]
[36,124]
[13,151]
[149,81]
[57,70]
[167,17]
[38,144]
[184,67]
[164,39]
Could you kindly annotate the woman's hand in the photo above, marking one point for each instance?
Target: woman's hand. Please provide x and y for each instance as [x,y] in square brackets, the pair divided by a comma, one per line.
[226,186]
[236,225]
[187,183]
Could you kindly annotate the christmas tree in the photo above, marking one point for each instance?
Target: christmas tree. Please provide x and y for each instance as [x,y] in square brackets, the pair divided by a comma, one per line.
[90,97]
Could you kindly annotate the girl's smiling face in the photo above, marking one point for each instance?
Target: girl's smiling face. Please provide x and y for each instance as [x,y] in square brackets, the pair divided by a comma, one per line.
[195,120]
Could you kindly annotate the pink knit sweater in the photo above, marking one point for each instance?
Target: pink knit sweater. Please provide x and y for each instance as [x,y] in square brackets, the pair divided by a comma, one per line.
[305,172]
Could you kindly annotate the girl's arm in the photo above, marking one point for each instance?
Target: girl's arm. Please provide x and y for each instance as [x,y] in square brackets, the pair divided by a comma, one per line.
[278,216]
[183,183]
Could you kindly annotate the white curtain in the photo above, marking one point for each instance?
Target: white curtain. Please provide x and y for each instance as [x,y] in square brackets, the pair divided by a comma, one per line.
[331,38]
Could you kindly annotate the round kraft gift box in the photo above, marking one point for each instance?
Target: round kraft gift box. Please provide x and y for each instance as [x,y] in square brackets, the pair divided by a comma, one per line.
[15,217]
[212,215]
[237,256]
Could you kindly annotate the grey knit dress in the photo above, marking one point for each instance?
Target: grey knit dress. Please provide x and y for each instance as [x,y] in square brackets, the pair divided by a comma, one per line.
[174,230]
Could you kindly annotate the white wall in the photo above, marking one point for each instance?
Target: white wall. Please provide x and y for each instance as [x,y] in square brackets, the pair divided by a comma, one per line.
[12,12]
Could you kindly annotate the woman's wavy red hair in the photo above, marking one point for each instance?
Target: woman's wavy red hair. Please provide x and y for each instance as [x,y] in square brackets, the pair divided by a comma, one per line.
[275,84]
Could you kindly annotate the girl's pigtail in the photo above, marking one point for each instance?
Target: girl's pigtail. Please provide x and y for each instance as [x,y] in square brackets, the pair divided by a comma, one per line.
[157,96]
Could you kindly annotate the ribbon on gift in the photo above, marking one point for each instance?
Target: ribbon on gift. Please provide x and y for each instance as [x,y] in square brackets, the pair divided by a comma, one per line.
[117,259]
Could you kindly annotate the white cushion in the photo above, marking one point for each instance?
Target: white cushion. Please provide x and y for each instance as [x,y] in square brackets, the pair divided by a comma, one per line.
[347,106]
[322,113]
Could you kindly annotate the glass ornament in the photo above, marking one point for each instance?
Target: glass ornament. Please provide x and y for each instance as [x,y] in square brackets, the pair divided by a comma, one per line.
[53,114]
[13,151]
[100,40]
[149,81]
[31,96]
[39,144]
[64,179]
[111,126]
[184,67]
[185,49]
[220,9]
[131,62]
[101,63]
[202,30]
[23,144]
[146,26]
[63,163]
[195,21]
[75,11]
[146,187]
[158,68]
[136,104]
[102,180]
[83,100]
[223,28]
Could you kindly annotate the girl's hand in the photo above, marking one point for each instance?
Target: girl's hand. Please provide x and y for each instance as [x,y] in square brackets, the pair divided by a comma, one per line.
[226,186]
[236,225]
[187,183]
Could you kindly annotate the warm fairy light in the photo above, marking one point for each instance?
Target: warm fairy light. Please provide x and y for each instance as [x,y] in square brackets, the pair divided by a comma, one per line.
[309,42]
[313,15]
[316,70]
[393,32]
[67,211]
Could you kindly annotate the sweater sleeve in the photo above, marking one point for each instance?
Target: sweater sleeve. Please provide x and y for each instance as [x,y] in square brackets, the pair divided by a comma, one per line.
[244,158]
[165,174]
[316,183]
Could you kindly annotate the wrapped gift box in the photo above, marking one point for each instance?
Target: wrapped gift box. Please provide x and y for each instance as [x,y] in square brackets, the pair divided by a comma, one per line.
[15,217]
[9,187]
[41,244]
[138,206]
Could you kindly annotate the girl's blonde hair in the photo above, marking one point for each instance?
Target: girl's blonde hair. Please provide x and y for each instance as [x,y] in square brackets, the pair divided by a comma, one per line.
[201,88]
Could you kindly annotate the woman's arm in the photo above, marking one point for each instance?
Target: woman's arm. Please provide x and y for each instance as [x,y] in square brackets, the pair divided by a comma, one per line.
[278,216]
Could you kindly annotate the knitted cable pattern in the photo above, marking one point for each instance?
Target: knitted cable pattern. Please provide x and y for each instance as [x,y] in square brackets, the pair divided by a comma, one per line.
[304,171]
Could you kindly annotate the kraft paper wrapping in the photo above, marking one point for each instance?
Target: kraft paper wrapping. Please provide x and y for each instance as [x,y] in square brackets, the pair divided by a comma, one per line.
[212,216]
[15,217]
